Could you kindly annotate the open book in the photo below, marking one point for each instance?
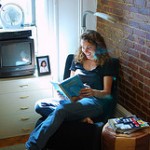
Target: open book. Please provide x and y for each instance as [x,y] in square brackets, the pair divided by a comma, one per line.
[127,124]
[69,87]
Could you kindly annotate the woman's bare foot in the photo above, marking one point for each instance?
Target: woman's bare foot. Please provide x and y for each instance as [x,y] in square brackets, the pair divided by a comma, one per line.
[88,120]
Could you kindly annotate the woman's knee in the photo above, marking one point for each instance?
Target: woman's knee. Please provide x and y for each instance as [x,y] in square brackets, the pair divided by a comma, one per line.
[61,112]
[37,107]
[42,109]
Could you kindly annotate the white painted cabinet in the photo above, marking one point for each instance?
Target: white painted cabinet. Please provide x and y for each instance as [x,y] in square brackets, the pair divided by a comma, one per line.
[17,100]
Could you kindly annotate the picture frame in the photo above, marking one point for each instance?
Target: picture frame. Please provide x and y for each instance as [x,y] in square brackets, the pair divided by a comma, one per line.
[43,65]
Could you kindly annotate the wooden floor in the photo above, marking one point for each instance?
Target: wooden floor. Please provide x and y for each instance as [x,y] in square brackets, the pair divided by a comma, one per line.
[13,140]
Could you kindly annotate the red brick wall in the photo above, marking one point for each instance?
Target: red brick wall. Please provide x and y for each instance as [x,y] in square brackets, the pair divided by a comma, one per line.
[129,39]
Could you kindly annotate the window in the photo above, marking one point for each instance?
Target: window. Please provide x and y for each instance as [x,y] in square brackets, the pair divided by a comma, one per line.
[28,8]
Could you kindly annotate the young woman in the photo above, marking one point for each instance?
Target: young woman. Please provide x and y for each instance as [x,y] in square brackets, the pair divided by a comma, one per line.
[92,63]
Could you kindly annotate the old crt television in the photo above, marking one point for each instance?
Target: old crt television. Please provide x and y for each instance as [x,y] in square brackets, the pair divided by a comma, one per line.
[17,57]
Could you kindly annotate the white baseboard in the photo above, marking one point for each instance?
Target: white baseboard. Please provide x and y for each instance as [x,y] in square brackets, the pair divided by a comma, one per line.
[121,111]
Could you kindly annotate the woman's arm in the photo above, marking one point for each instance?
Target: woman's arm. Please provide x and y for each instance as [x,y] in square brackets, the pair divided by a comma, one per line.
[72,73]
[98,93]
[107,87]
[87,92]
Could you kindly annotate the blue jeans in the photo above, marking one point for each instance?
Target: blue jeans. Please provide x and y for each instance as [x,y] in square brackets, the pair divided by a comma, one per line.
[45,107]
[86,107]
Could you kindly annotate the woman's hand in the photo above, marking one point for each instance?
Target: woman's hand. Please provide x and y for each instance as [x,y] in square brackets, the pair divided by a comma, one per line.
[86,92]
[75,98]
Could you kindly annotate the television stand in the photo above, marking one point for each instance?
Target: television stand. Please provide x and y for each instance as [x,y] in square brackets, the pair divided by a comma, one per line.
[18,97]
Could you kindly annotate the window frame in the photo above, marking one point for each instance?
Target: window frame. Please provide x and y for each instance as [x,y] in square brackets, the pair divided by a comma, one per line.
[31,13]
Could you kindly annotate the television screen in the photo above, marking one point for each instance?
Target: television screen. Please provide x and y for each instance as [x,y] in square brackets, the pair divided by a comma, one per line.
[17,57]
[16,54]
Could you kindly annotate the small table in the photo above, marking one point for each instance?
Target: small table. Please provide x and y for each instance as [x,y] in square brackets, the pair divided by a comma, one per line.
[138,140]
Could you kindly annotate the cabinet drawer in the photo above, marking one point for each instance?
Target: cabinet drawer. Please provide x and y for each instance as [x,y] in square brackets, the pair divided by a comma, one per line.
[21,102]
[18,125]
[17,100]
[24,84]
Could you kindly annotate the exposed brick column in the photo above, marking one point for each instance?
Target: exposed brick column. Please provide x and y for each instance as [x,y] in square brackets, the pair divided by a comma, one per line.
[129,39]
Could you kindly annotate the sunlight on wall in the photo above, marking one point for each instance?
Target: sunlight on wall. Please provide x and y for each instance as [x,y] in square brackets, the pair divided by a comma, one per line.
[59,30]
[42,28]
[47,35]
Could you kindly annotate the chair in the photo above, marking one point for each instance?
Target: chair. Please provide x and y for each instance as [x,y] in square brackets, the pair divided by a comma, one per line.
[79,135]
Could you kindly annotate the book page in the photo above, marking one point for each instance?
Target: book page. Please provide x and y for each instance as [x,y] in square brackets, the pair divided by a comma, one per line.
[59,90]
[72,86]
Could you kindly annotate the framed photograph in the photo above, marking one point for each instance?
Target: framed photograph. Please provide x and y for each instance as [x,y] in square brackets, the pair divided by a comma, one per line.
[43,65]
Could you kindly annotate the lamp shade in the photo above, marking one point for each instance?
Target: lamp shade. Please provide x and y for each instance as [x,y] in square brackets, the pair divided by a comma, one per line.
[105,17]
[98,14]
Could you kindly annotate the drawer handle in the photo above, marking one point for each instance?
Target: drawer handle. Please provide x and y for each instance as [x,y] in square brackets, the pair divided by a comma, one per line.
[26,130]
[24,108]
[23,97]
[25,85]
[25,118]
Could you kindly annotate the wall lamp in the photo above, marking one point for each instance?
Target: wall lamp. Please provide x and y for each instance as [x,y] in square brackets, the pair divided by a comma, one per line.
[98,14]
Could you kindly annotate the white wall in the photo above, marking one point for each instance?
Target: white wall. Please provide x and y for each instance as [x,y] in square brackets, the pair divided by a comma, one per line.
[59,29]
[68,30]
[90,20]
